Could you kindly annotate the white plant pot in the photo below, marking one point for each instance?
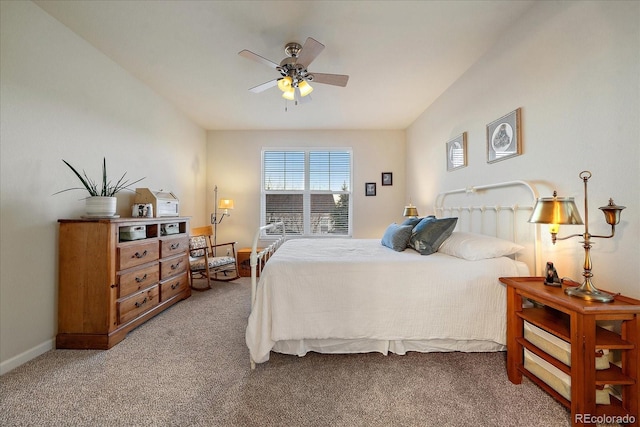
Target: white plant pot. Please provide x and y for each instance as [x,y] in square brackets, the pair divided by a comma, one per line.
[101,206]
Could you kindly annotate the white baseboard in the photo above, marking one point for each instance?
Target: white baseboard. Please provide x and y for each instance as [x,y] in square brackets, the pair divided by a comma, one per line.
[24,357]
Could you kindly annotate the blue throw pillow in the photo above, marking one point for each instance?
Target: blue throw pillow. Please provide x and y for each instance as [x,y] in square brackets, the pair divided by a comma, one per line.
[413,221]
[397,237]
[429,234]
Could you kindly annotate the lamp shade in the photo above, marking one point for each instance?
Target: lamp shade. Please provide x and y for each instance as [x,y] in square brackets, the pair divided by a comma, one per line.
[410,211]
[612,212]
[305,88]
[555,210]
[285,83]
[289,94]
[225,204]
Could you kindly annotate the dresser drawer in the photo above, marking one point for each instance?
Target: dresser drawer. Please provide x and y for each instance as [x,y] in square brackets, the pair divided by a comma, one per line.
[137,254]
[173,266]
[133,281]
[173,286]
[133,306]
[170,246]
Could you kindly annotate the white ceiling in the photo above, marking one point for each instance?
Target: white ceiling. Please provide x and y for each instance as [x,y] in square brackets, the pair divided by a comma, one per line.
[400,55]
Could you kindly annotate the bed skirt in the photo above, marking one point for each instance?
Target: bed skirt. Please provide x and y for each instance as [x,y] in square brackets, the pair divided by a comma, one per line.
[400,347]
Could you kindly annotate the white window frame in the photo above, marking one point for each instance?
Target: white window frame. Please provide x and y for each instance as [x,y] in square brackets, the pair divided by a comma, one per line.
[307,192]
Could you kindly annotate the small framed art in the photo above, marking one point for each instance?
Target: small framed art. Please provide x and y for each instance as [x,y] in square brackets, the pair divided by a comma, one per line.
[387,178]
[504,137]
[457,152]
[370,189]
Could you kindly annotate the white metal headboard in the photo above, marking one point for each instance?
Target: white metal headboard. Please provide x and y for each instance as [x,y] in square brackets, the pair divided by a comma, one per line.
[500,210]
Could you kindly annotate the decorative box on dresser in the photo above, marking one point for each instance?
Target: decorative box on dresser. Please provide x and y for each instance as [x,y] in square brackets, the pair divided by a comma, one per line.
[589,327]
[115,274]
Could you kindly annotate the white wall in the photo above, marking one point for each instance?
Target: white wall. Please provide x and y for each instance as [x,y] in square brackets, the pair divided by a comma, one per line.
[573,68]
[233,159]
[62,99]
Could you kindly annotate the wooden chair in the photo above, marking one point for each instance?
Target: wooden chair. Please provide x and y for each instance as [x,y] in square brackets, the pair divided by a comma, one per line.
[214,262]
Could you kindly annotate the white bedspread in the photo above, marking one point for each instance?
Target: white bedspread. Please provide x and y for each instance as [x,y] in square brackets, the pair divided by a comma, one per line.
[361,291]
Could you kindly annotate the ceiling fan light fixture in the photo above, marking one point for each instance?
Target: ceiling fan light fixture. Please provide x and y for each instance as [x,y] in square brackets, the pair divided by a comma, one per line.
[284,84]
[305,88]
[294,78]
[289,94]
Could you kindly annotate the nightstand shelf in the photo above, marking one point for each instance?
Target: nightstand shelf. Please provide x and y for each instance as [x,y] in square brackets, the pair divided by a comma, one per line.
[578,323]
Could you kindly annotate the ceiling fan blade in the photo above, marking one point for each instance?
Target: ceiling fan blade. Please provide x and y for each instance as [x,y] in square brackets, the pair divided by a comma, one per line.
[264,86]
[310,50]
[255,57]
[330,79]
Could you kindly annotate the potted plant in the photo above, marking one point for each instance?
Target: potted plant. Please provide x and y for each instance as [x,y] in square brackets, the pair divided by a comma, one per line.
[101,201]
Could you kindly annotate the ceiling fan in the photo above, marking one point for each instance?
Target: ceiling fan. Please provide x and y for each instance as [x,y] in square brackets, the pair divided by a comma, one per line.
[295,78]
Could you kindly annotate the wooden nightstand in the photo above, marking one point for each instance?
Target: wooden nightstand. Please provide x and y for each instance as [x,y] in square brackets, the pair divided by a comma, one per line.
[244,263]
[579,323]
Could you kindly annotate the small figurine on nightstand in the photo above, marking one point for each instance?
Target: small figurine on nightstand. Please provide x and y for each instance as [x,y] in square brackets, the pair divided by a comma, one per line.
[551,277]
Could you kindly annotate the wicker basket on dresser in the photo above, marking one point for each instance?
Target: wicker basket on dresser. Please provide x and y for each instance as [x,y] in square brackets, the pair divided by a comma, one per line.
[109,284]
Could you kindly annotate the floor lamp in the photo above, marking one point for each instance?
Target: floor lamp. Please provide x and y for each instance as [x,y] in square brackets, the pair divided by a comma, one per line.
[224,205]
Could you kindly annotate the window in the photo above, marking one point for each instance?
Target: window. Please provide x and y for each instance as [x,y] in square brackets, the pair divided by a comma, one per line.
[309,190]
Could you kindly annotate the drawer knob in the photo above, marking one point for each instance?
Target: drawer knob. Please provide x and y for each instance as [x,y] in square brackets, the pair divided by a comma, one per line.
[139,255]
[176,265]
[175,246]
[140,304]
[175,286]
[141,279]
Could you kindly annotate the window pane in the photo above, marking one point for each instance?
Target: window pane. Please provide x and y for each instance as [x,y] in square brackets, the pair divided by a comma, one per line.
[330,214]
[286,208]
[283,170]
[329,170]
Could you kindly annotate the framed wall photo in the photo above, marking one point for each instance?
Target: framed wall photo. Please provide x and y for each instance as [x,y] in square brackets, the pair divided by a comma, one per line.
[504,137]
[370,189]
[457,152]
[387,178]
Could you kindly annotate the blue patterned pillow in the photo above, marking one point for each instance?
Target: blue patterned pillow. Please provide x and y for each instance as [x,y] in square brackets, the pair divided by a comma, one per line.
[413,221]
[397,237]
[429,234]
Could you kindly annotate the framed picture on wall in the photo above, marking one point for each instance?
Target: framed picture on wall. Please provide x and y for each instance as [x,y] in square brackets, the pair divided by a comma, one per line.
[370,189]
[504,137]
[387,178]
[457,152]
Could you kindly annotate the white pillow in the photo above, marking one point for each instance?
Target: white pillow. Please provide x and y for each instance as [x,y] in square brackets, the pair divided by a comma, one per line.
[473,247]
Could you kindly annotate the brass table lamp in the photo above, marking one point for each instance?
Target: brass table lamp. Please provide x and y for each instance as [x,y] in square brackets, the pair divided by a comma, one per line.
[562,210]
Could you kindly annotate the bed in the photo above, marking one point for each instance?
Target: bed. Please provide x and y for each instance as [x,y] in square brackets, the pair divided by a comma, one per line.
[346,295]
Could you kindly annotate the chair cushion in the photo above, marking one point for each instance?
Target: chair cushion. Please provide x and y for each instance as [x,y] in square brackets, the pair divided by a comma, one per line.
[197,245]
[198,264]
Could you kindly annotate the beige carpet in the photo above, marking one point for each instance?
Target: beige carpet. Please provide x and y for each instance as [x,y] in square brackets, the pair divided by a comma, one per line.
[189,366]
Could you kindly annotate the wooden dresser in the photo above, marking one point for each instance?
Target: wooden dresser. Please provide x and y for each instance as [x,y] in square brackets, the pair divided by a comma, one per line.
[115,274]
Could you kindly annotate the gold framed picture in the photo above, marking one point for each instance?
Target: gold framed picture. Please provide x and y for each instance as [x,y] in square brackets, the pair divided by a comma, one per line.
[504,137]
